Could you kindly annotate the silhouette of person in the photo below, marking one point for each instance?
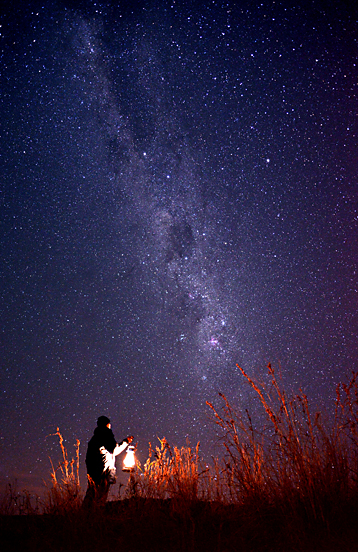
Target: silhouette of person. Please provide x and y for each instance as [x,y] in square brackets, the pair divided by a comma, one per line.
[100,461]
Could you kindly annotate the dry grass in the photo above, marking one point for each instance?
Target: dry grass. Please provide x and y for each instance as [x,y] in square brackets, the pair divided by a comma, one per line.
[292,462]
[168,473]
[64,495]
[15,502]
[288,482]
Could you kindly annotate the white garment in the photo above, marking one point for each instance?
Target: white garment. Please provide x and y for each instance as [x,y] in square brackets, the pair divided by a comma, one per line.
[110,457]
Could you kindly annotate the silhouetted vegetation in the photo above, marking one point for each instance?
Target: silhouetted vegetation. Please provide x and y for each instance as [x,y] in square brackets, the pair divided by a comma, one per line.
[287,483]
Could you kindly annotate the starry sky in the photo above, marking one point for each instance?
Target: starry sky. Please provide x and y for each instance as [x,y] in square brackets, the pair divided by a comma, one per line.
[178,195]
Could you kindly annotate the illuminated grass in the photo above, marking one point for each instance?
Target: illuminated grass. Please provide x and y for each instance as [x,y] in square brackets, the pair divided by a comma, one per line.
[287,481]
[64,495]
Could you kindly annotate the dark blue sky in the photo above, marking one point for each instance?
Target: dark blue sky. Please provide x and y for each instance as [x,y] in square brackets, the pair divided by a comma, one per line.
[178,195]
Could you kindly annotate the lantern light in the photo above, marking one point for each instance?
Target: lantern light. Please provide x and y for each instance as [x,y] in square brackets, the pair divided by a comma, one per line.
[129,459]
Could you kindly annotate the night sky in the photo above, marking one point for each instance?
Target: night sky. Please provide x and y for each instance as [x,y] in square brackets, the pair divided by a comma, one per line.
[178,195]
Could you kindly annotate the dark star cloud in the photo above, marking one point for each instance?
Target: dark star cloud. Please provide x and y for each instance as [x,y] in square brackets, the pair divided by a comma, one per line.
[178,195]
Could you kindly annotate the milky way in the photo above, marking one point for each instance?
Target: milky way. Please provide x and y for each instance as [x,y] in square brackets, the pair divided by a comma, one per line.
[179,195]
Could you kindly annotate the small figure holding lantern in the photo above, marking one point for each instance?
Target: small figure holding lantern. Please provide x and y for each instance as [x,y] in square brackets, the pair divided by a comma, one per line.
[100,461]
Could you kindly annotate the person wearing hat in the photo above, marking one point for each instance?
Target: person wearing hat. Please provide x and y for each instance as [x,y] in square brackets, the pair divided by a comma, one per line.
[100,461]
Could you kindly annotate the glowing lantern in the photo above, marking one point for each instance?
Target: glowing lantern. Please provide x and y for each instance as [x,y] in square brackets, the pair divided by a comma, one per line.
[129,459]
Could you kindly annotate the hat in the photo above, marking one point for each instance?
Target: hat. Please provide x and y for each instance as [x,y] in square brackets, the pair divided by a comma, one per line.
[103,421]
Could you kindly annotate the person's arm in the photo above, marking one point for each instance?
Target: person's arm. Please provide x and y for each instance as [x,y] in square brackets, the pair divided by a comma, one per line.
[123,445]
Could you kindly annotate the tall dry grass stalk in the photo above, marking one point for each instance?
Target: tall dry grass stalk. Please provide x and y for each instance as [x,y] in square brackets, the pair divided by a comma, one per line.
[292,461]
[64,495]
